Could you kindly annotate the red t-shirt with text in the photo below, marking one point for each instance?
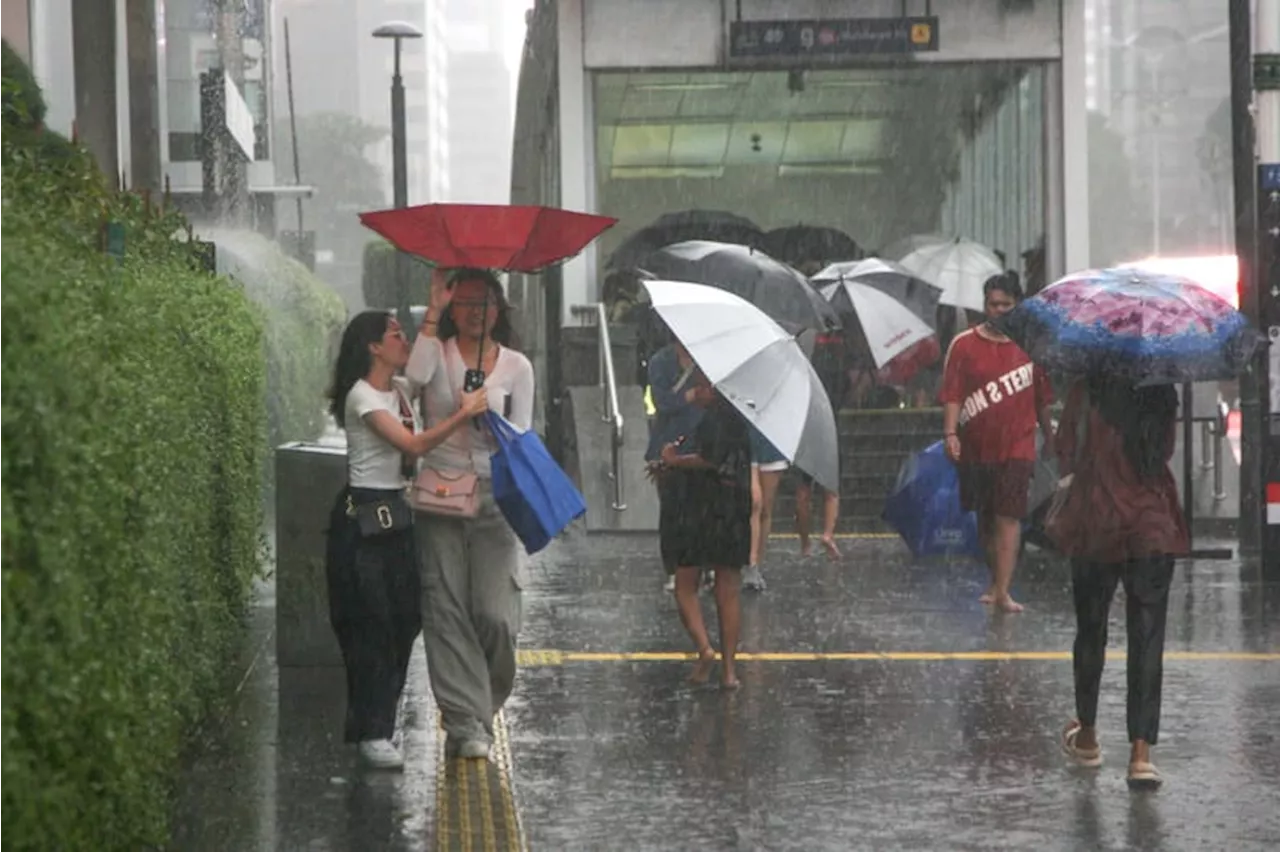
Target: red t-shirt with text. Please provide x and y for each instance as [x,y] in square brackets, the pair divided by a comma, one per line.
[999,392]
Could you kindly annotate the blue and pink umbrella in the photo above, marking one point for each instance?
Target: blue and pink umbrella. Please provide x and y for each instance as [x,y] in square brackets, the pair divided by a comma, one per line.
[1146,327]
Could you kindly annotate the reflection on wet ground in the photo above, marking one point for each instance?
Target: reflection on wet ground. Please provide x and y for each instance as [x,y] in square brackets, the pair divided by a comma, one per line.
[915,720]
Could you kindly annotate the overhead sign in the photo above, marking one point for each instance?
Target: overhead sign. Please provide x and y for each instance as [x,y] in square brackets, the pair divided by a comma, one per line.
[1266,72]
[238,117]
[832,38]
[1269,177]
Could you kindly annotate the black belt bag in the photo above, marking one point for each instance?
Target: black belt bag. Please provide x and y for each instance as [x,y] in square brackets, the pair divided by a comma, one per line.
[381,515]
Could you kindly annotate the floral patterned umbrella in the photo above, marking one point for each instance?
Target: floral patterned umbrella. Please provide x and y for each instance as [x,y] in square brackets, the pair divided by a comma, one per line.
[1147,327]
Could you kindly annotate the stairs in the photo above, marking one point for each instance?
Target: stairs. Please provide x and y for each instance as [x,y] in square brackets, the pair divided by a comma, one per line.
[873,446]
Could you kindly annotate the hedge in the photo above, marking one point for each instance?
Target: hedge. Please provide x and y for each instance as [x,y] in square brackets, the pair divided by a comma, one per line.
[133,441]
[304,321]
[378,276]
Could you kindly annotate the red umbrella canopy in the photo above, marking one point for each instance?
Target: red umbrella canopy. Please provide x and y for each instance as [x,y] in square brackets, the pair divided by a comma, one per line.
[490,236]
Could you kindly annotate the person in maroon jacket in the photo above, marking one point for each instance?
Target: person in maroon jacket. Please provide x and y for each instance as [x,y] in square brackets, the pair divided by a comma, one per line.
[1121,522]
[992,398]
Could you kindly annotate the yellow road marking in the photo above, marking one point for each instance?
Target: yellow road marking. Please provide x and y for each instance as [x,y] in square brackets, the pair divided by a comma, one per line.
[536,658]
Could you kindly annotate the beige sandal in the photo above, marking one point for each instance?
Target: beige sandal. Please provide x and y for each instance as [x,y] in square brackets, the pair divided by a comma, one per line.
[1144,776]
[1087,757]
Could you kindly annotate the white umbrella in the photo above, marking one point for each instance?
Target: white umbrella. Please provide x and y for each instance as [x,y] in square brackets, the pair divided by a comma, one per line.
[759,368]
[959,268]
[887,277]
[891,329]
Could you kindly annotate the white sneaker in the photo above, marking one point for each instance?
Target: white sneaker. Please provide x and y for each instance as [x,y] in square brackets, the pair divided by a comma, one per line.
[381,754]
[753,579]
[472,749]
[670,585]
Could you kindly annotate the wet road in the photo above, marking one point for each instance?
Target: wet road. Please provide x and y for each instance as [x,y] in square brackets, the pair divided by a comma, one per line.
[882,708]
[903,752]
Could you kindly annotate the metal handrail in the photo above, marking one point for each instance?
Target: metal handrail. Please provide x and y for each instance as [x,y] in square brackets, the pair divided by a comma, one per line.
[612,414]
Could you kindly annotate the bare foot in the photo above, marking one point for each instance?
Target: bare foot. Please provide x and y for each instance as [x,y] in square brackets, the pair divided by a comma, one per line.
[702,669]
[829,543]
[1006,603]
[729,684]
[805,550]
[988,596]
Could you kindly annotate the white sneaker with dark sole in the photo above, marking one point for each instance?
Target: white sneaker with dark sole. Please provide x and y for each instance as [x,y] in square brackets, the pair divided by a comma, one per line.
[381,754]
[753,579]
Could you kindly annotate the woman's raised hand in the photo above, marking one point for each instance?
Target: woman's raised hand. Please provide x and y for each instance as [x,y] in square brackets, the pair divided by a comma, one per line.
[441,293]
[475,403]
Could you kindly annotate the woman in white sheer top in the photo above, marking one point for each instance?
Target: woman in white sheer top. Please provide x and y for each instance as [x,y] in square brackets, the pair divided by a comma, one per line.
[472,568]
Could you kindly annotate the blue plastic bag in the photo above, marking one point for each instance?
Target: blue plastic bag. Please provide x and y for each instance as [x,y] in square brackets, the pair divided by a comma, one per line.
[535,496]
[924,508]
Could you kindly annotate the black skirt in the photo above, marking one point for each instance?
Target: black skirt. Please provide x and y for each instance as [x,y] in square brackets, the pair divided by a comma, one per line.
[711,527]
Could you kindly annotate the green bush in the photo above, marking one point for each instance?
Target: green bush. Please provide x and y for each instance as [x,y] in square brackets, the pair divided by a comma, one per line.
[378,277]
[304,320]
[23,101]
[133,443]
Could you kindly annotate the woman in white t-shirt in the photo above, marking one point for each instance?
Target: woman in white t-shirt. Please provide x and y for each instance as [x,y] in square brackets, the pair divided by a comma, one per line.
[371,564]
[472,569]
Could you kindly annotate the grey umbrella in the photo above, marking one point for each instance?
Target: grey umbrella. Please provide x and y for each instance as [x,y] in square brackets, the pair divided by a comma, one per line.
[774,287]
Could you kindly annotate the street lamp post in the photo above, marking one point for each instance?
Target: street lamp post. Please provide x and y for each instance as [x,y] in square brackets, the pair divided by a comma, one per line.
[398,31]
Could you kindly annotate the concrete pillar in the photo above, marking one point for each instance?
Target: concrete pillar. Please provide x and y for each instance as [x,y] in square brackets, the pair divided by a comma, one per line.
[575,136]
[1075,143]
[95,80]
[144,95]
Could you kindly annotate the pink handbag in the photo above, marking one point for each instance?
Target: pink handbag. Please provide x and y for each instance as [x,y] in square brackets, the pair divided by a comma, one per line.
[447,493]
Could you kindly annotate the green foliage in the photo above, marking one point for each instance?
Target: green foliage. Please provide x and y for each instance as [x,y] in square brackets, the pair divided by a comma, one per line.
[378,276]
[133,443]
[304,320]
[22,99]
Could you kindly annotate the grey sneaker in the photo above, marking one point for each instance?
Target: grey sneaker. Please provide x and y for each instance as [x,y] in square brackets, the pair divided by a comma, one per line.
[753,579]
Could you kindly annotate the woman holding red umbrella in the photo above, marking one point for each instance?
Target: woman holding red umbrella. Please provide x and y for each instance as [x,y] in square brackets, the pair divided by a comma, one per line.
[472,567]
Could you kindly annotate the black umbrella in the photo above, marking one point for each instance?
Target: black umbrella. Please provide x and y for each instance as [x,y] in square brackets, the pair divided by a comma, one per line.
[890,278]
[719,225]
[781,292]
[799,244]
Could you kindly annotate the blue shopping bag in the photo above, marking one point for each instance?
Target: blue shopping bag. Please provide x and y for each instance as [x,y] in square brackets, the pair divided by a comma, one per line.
[536,497]
[924,508]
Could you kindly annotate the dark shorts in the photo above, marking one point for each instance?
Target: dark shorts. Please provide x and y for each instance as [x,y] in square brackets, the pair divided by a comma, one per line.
[997,489]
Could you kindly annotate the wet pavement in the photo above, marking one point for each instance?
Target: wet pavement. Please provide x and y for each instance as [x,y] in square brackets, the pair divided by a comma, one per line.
[882,708]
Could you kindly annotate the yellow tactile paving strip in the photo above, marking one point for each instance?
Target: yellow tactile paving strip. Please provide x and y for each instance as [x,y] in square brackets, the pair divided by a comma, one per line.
[475,800]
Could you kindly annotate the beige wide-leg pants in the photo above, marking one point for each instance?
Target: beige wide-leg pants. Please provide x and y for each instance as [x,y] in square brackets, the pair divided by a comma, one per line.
[472,576]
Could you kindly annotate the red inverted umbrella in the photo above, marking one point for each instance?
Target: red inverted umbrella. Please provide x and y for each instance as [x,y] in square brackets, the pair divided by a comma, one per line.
[490,236]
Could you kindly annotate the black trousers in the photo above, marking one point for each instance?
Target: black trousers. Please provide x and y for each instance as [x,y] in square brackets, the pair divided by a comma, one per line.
[375,608]
[1146,589]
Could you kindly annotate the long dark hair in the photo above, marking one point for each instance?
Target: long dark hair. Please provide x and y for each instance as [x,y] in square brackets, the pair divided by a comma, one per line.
[503,331]
[354,358]
[1142,416]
